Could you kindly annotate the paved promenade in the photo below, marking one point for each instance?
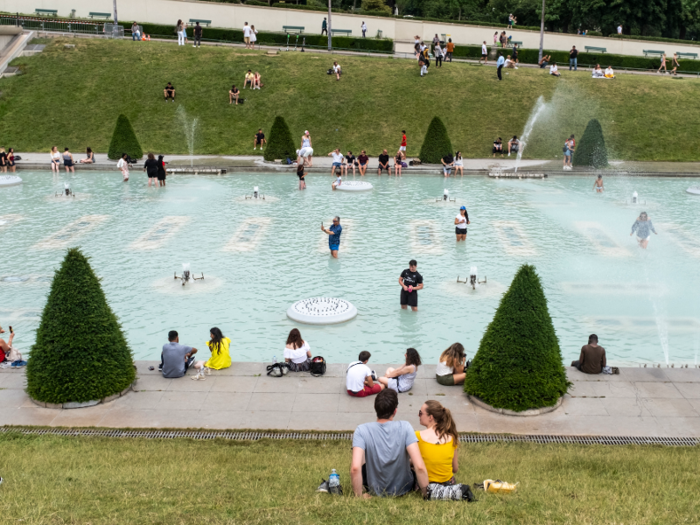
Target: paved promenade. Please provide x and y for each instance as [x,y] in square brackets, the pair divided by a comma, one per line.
[639,402]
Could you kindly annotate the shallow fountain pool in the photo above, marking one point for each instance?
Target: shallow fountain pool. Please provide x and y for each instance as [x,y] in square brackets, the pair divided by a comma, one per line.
[259,257]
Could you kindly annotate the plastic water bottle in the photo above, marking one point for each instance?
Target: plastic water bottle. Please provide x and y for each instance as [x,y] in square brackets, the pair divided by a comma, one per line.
[333,479]
[274,358]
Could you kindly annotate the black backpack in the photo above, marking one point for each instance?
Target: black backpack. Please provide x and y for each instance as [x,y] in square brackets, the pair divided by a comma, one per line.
[318,366]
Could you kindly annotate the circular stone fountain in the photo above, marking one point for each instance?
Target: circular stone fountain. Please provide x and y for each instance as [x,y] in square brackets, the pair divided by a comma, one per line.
[694,190]
[354,185]
[9,180]
[322,310]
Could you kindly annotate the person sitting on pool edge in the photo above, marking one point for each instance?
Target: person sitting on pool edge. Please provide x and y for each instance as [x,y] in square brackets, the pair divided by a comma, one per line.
[451,366]
[333,235]
[169,92]
[401,379]
[220,355]
[175,358]
[359,378]
[592,358]
[297,352]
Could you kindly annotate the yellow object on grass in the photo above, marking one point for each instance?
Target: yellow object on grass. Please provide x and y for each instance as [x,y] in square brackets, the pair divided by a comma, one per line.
[499,487]
[220,357]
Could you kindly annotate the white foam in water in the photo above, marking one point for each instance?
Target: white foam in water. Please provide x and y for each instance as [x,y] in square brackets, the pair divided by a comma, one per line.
[345,237]
[425,238]
[9,220]
[248,235]
[72,232]
[159,234]
[601,240]
[513,239]
[539,109]
[682,238]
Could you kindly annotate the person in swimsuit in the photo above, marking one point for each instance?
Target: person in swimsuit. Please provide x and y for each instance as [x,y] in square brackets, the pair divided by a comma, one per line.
[161,171]
[333,236]
[90,159]
[461,222]
[598,184]
[68,161]
[643,227]
[301,174]
[306,151]
[663,64]
[55,159]
[123,165]
[11,159]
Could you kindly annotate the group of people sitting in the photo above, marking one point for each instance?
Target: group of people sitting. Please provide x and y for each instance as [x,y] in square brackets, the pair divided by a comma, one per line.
[513,146]
[599,73]
[68,161]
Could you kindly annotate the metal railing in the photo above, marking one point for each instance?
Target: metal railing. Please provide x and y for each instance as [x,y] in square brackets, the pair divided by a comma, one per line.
[46,24]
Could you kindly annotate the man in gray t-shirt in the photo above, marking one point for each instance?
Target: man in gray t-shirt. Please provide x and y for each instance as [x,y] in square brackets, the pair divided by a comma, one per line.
[382,453]
[176,358]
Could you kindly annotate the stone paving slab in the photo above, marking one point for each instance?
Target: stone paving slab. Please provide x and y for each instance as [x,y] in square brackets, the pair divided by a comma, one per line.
[656,402]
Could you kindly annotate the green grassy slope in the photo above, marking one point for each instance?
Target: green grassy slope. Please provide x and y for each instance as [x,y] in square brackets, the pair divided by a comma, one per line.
[72,97]
[60,480]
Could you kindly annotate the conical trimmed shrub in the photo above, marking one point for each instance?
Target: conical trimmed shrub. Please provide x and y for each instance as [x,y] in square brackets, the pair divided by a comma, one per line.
[436,143]
[280,144]
[124,140]
[591,150]
[518,365]
[80,352]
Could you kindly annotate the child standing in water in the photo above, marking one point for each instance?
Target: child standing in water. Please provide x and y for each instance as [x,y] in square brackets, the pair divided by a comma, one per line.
[598,184]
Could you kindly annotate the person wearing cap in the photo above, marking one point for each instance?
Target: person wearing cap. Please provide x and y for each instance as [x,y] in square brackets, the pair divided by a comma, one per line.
[461,222]
[306,151]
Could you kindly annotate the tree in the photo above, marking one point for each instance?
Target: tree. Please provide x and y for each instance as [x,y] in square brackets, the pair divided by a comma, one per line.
[518,365]
[280,145]
[436,143]
[591,150]
[376,6]
[80,353]
[124,140]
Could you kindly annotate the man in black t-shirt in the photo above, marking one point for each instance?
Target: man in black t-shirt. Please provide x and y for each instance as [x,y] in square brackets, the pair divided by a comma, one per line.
[169,92]
[197,35]
[384,163]
[411,281]
[573,59]
[259,139]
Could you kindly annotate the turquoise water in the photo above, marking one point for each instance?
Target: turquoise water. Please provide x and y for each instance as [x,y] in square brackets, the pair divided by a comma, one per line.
[259,257]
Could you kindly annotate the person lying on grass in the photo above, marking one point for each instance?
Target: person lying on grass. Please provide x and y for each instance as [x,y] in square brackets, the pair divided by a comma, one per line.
[382,453]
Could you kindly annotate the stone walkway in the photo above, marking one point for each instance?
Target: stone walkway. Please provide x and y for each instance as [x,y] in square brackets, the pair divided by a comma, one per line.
[639,402]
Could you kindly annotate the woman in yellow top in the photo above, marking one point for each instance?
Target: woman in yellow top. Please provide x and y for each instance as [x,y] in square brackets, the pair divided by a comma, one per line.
[438,442]
[220,357]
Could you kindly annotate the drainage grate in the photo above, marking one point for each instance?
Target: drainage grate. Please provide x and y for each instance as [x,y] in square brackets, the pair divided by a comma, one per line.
[347,436]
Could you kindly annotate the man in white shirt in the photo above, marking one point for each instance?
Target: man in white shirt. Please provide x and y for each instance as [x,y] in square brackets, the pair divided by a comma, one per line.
[364,29]
[554,70]
[246,35]
[338,159]
[619,29]
[484,53]
[359,378]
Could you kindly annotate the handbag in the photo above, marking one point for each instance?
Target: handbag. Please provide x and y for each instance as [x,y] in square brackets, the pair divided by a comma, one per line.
[277,369]
[318,366]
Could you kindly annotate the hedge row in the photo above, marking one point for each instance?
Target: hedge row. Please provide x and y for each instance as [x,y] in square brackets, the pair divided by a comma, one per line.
[236,35]
[531,56]
[656,39]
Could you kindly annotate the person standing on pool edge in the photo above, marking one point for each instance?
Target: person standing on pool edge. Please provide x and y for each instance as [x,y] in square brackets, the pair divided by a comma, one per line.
[333,236]
[411,281]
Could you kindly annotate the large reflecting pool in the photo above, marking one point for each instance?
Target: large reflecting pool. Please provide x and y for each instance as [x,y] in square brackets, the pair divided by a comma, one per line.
[259,257]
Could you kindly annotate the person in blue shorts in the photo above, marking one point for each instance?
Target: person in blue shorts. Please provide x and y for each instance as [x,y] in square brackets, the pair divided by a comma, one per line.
[333,236]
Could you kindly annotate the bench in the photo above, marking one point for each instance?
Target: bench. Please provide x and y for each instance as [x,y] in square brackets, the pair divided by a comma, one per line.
[201,22]
[100,15]
[648,52]
[52,12]
[514,42]
[598,49]
[293,29]
[687,55]
[346,32]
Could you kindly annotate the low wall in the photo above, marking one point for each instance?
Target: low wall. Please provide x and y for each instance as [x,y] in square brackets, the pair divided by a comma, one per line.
[272,19]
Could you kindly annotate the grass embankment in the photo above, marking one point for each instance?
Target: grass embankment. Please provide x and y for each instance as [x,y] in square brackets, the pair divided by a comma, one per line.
[51,479]
[72,97]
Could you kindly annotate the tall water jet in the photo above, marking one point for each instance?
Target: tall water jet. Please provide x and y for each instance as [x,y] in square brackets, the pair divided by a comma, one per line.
[540,107]
[189,128]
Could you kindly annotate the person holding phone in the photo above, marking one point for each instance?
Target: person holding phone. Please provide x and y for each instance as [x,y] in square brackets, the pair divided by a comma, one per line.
[411,281]
[333,236]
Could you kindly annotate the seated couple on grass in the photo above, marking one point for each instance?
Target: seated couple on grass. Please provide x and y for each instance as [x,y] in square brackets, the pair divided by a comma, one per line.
[176,358]
[360,379]
[390,459]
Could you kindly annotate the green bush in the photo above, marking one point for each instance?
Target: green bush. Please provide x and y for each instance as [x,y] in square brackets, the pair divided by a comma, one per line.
[256,2]
[80,353]
[518,365]
[280,145]
[377,7]
[591,150]
[436,143]
[124,140]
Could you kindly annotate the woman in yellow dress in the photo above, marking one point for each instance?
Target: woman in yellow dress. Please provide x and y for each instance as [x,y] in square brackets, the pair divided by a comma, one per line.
[220,357]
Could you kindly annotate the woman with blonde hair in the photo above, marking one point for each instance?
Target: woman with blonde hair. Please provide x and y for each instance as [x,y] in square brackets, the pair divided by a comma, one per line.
[450,368]
[438,442]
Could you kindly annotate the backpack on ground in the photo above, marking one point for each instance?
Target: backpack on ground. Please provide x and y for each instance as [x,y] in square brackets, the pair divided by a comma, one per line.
[458,492]
[318,366]
[278,370]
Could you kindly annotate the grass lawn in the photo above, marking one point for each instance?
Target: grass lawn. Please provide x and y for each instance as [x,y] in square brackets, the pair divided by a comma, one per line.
[72,97]
[50,479]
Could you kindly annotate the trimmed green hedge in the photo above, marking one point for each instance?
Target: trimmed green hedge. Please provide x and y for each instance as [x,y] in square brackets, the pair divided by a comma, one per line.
[656,39]
[591,151]
[384,45]
[518,365]
[124,140]
[80,353]
[280,144]
[436,144]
